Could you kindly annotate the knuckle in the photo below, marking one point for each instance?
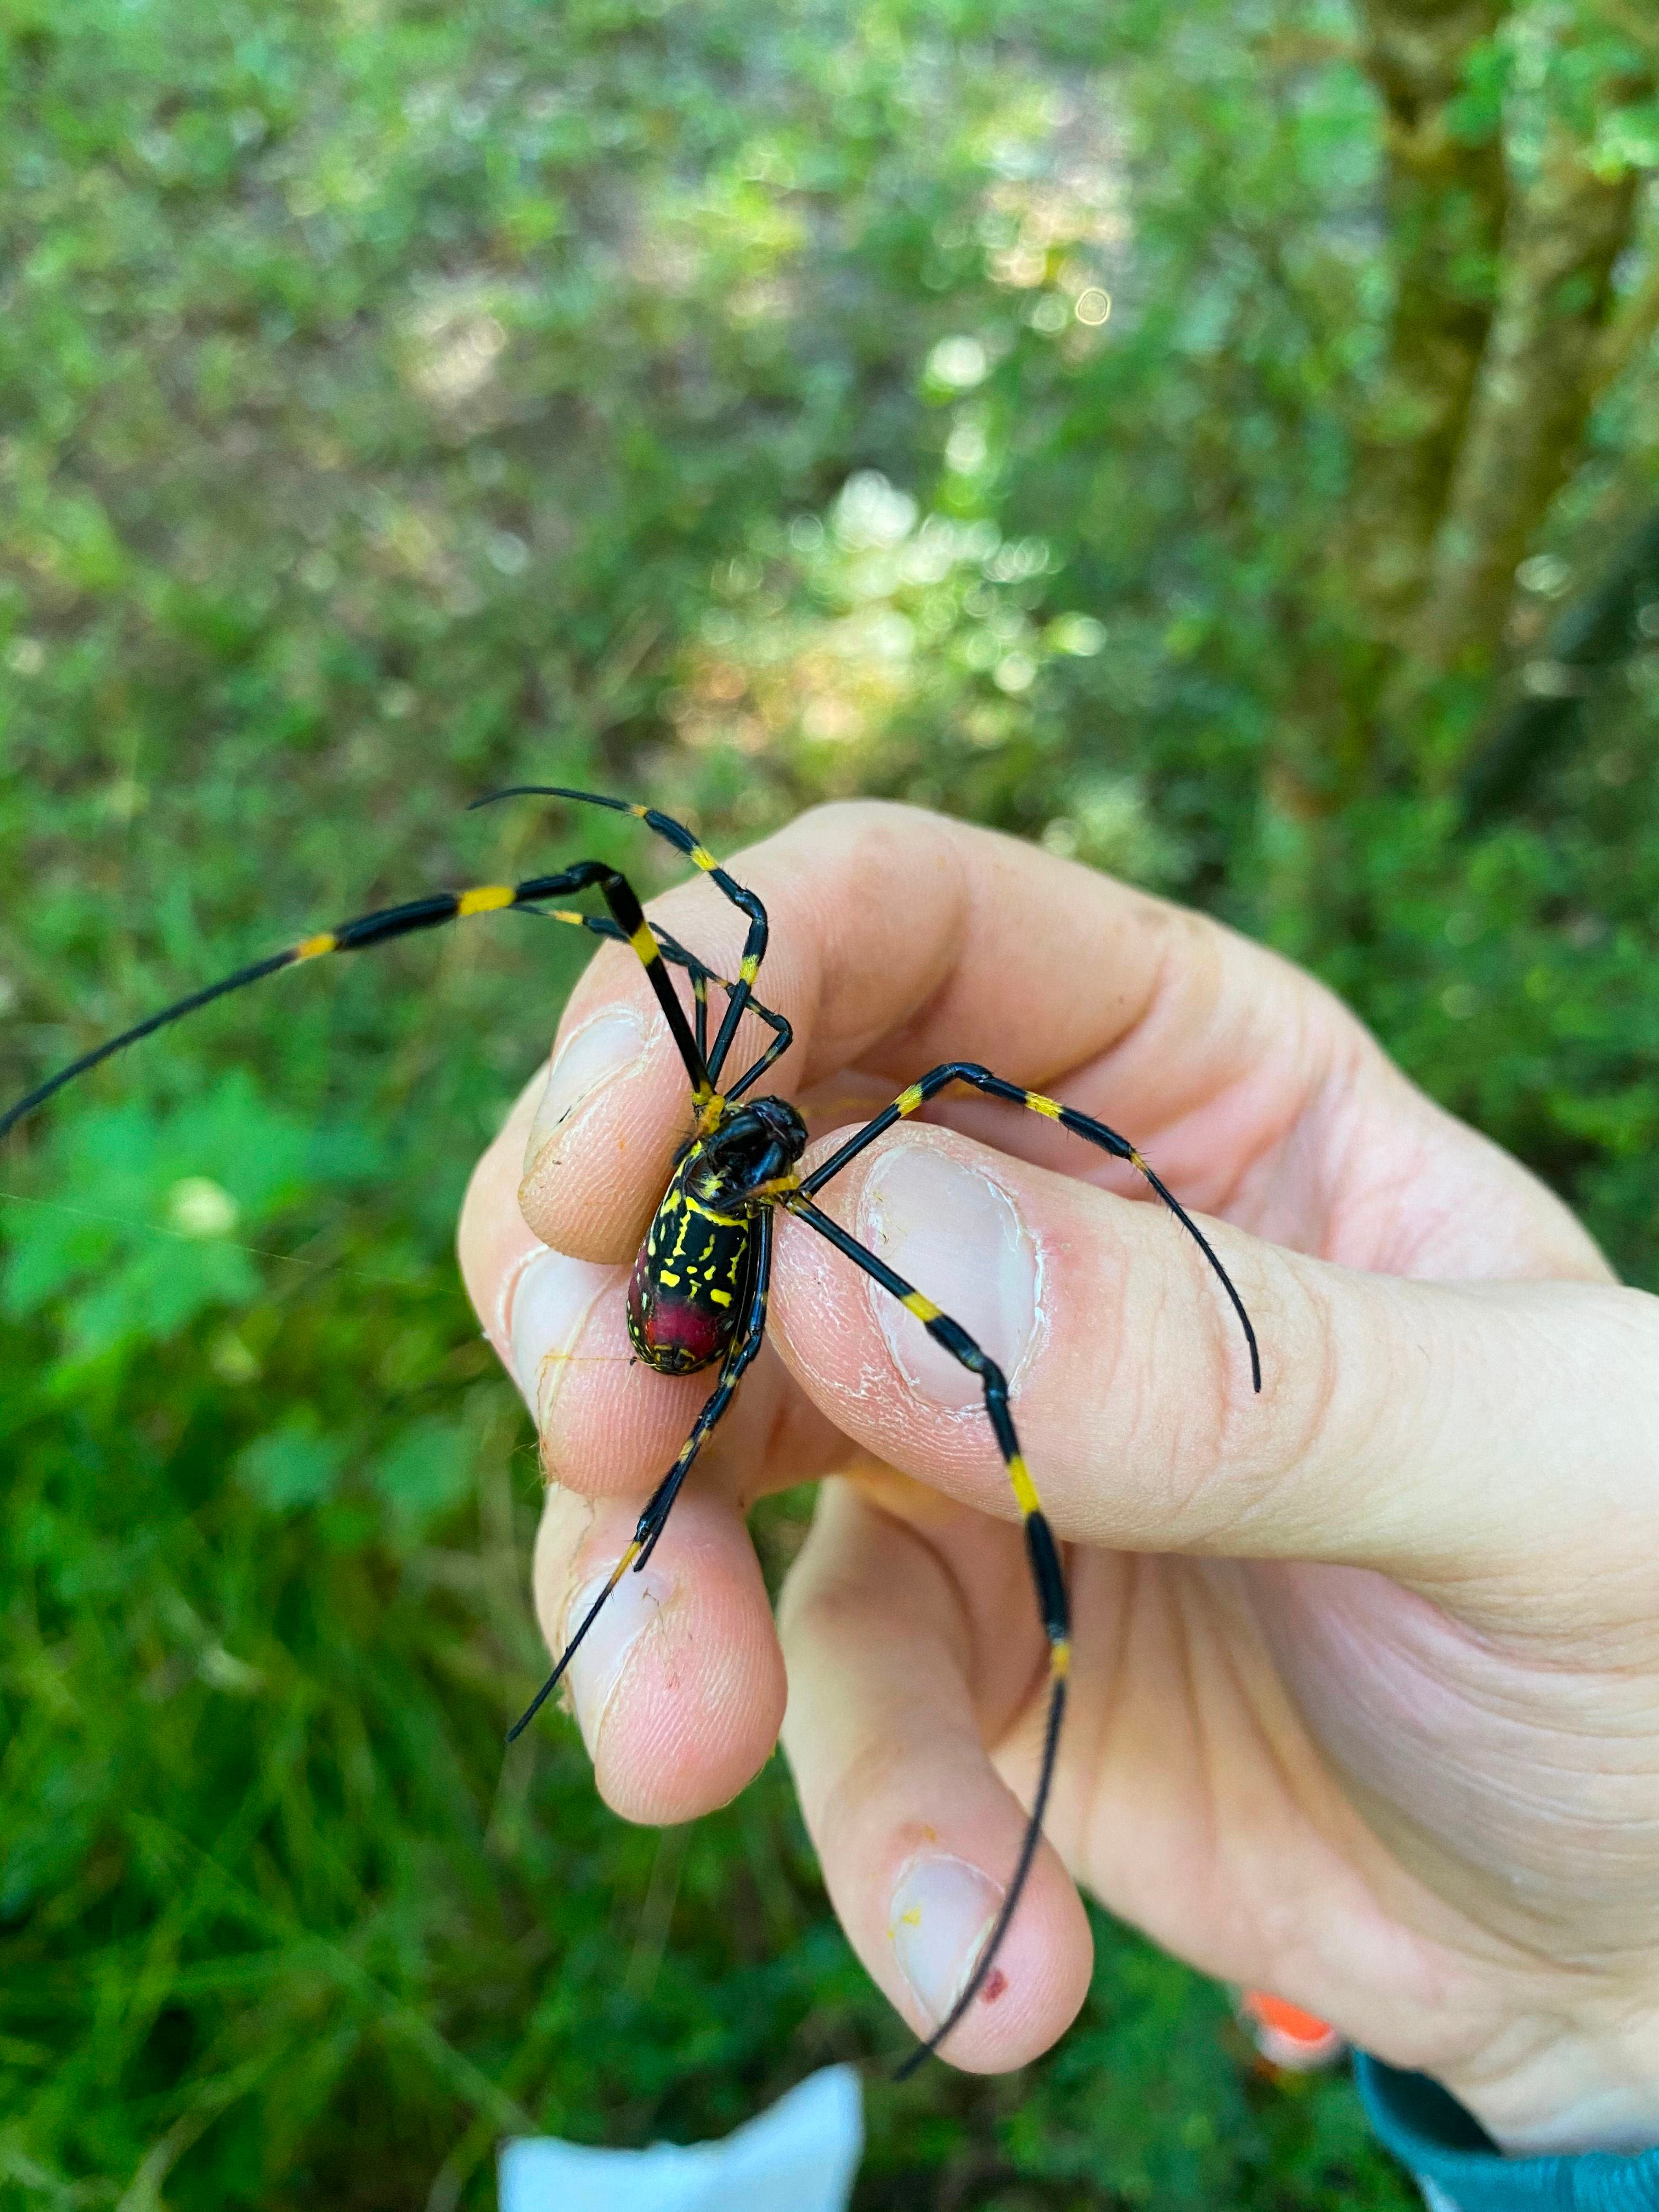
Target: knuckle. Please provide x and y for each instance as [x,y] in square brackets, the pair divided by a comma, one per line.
[1234,1453]
[820,1609]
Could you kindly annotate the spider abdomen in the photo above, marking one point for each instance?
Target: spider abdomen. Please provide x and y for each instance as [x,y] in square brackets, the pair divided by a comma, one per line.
[686,1294]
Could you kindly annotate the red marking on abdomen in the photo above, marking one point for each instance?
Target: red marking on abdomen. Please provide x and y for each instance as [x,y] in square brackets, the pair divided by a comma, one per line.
[675,1335]
[686,1331]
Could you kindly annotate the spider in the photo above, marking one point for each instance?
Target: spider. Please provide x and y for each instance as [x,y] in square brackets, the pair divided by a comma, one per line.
[697,1295]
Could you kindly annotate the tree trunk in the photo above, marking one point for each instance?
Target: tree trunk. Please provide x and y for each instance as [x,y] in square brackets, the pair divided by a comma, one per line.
[1446,200]
[1526,423]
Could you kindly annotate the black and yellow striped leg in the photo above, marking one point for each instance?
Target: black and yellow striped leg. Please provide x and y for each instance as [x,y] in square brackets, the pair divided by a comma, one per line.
[701,976]
[1080,1125]
[677,834]
[368,929]
[780,1045]
[651,1521]
[1041,1551]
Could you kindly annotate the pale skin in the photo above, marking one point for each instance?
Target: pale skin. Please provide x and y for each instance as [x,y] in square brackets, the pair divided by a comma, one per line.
[1365,1693]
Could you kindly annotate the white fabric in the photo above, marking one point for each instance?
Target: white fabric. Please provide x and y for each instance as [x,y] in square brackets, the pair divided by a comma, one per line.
[800,2156]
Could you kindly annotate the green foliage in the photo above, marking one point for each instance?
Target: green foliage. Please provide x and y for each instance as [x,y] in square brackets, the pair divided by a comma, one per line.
[960,400]
[149,1244]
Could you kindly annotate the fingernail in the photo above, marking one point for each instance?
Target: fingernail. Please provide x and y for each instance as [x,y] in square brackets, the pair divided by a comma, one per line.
[943,1910]
[958,1239]
[597,1670]
[551,1300]
[595,1055]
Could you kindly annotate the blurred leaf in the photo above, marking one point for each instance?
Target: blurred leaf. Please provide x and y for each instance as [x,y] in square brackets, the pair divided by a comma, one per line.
[425,1470]
[291,1467]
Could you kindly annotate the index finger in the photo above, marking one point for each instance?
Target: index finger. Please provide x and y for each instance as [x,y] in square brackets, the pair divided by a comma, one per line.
[901,938]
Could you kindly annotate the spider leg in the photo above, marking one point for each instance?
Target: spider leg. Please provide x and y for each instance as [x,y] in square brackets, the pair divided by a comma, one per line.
[1047,1574]
[702,977]
[386,922]
[779,1044]
[677,834]
[1080,1125]
[651,1521]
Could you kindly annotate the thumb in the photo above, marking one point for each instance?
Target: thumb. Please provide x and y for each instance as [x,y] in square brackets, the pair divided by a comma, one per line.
[1426,1429]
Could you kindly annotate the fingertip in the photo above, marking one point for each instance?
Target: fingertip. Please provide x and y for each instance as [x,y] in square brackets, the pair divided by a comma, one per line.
[944,1212]
[1127,1372]
[678,1688]
[921,1899]
[598,1145]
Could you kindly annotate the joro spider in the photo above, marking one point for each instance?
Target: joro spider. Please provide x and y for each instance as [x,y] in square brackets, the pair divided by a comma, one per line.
[698,1292]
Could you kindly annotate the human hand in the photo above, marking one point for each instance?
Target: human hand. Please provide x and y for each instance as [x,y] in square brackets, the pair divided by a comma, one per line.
[1365,1681]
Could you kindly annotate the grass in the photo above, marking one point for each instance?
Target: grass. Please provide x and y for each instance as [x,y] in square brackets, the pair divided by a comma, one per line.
[401,401]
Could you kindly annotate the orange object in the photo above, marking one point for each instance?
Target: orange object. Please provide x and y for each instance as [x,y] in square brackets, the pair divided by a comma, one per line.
[1295,2041]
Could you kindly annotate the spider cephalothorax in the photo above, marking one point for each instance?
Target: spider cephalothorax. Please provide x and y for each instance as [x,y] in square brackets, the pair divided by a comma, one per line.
[748,1152]
[699,1287]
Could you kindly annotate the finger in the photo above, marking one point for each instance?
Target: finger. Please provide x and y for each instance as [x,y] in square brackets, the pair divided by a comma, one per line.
[679,1686]
[917,1832]
[1426,1429]
[901,939]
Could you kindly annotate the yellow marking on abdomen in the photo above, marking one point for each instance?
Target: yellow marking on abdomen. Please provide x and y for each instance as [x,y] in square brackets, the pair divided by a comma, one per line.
[484,898]
[313,948]
[721,1298]
[1024,1489]
[1039,1104]
[923,1308]
[908,1101]
[694,1205]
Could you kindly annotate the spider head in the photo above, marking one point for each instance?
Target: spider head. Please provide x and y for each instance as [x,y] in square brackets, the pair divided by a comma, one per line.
[754,1144]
